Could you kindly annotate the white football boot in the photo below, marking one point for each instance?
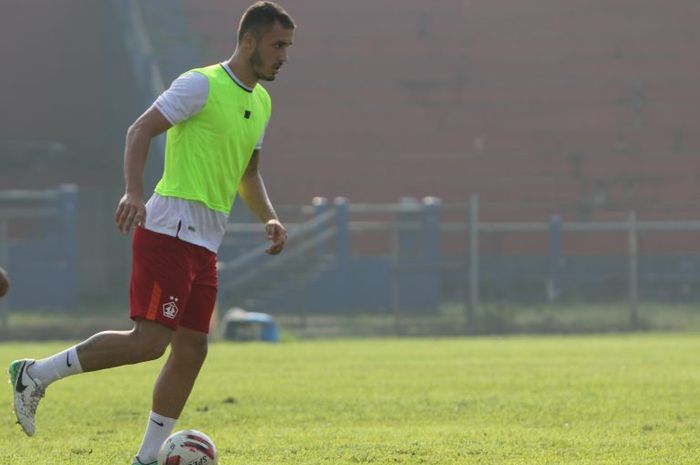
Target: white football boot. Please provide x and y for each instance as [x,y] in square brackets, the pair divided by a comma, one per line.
[138,462]
[27,392]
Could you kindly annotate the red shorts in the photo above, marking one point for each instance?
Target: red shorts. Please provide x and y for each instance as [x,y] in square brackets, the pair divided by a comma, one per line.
[173,282]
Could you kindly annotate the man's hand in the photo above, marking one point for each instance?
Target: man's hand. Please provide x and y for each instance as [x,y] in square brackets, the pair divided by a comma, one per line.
[131,212]
[4,283]
[277,234]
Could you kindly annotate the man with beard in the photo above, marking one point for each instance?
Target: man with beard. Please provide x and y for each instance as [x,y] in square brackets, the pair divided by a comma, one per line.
[215,118]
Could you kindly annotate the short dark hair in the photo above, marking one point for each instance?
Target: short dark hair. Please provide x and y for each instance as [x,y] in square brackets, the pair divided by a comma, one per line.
[261,16]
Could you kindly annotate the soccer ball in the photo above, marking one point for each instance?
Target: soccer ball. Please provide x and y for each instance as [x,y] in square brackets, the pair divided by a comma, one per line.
[188,447]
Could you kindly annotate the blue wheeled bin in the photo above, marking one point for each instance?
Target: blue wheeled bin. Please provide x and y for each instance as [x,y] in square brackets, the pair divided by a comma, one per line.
[241,325]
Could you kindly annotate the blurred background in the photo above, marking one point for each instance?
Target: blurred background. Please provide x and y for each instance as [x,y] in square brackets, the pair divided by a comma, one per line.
[444,167]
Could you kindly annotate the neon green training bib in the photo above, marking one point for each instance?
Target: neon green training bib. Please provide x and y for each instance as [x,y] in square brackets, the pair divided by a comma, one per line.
[206,155]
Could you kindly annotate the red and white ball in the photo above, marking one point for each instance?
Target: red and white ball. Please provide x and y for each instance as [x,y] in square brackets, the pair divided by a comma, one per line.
[188,447]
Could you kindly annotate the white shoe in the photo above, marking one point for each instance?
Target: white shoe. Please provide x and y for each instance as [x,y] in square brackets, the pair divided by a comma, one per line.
[27,392]
[138,462]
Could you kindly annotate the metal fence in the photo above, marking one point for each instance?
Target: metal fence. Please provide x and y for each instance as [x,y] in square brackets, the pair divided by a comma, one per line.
[408,260]
[408,263]
[38,245]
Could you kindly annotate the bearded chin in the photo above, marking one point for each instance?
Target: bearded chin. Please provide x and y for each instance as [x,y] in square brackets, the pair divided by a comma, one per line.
[262,77]
[256,65]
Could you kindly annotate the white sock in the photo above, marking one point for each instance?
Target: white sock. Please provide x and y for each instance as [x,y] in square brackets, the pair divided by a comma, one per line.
[157,431]
[50,369]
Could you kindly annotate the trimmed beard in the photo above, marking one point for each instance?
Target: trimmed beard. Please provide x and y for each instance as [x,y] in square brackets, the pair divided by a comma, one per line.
[256,64]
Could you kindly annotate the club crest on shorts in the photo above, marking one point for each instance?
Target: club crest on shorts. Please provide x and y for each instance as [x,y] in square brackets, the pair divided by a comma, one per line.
[170,308]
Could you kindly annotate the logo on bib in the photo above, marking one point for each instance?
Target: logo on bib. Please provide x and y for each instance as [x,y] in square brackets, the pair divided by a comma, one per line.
[170,308]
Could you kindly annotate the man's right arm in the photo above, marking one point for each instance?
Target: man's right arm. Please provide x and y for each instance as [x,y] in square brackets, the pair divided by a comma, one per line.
[131,210]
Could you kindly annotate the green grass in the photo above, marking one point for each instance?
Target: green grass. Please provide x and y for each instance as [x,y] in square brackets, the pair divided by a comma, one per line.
[501,318]
[629,399]
[491,318]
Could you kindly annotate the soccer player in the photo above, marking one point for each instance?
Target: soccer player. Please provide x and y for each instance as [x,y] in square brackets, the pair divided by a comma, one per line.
[215,118]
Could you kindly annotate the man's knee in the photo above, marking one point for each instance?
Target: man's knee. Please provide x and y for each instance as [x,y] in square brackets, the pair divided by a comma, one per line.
[190,345]
[150,340]
[151,350]
[196,350]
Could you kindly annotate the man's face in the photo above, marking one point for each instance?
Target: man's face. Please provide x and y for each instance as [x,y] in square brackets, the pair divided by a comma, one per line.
[270,52]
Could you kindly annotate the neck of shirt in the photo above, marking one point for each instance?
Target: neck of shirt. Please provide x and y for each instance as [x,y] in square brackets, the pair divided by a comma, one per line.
[234,77]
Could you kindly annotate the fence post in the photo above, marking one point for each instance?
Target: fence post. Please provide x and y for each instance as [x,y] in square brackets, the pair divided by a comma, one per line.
[553,284]
[406,251]
[320,206]
[4,261]
[432,274]
[431,230]
[632,247]
[472,301]
[395,274]
[342,218]
[68,221]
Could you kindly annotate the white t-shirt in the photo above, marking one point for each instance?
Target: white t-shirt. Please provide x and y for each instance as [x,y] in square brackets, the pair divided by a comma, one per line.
[188,220]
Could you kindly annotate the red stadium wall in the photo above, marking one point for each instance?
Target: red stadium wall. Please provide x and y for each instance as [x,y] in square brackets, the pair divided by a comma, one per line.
[54,61]
[65,80]
[586,109]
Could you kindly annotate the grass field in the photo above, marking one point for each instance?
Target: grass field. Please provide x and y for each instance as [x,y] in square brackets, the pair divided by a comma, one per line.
[630,399]
[492,318]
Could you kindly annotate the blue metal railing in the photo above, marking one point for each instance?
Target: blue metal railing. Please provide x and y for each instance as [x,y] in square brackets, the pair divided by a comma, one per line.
[38,234]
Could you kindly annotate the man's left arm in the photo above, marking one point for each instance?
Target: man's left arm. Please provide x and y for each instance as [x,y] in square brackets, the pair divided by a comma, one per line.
[252,191]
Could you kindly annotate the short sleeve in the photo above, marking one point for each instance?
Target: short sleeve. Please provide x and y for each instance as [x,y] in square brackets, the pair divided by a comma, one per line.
[184,98]
[259,145]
